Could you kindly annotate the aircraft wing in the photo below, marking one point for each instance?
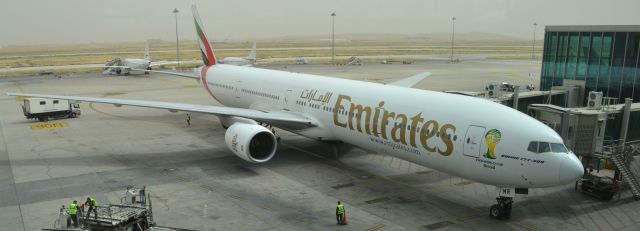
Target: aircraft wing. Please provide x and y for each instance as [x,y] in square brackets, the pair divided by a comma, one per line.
[410,81]
[160,63]
[257,115]
[188,75]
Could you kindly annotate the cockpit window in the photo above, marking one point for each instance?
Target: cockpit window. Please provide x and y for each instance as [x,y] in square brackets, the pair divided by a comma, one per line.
[543,147]
[533,146]
[558,148]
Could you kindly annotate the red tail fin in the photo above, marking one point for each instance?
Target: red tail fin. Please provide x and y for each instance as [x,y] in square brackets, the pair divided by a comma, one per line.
[208,57]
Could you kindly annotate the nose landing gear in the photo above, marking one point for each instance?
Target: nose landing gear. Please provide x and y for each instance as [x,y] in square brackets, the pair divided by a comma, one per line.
[502,210]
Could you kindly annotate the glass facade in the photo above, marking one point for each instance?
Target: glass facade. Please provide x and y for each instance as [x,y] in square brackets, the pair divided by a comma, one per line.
[607,60]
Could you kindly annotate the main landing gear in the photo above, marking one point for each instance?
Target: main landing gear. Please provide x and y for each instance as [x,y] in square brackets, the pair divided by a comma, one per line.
[502,210]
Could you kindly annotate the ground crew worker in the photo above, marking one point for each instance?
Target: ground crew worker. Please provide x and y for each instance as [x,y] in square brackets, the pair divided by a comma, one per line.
[73,212]
[93,205]
[64,216]
[143,196]
[339,213]
[188,119]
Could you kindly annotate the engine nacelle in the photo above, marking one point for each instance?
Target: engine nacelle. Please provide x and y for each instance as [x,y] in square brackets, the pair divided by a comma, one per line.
[251,142]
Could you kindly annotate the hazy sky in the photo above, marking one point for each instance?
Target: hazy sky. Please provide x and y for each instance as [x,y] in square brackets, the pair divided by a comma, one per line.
[71,21]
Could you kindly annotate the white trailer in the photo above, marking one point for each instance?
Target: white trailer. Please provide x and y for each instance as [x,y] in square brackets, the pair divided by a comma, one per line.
[45,109]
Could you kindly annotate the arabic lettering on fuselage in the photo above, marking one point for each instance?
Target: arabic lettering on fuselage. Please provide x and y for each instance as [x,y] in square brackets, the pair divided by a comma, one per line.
[377,126]
[312,95]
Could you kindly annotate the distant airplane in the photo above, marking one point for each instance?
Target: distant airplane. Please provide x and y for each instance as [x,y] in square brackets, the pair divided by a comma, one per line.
[133,66]
[465,136]
[241,61]
[126,66]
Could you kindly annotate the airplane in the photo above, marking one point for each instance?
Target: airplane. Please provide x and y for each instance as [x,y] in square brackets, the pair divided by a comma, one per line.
[135,66]
[469,137]
[126,66]
[241,61]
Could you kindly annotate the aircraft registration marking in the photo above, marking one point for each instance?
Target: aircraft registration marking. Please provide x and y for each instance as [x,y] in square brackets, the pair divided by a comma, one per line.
[49,126]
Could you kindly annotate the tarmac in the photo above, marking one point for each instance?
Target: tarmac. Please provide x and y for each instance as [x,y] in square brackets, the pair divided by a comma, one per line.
[197,183]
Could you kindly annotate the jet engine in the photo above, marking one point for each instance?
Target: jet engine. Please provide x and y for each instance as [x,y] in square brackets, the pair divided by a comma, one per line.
[251,142]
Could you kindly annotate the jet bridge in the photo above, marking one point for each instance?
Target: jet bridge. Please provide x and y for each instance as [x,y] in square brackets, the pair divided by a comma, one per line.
[586,132]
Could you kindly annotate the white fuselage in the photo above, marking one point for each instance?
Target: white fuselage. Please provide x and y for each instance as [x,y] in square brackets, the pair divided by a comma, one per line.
[445,132]
[236,61]
[141,64]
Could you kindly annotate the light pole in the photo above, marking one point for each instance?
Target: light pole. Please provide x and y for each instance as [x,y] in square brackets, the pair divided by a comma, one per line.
[453,32]
[333,38]
[175,11]
[533,43]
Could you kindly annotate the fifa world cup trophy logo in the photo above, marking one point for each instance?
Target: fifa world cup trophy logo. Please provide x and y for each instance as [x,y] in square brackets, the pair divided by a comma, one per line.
[492,138]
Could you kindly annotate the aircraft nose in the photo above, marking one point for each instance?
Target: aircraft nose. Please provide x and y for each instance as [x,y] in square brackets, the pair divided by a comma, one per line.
[570,170]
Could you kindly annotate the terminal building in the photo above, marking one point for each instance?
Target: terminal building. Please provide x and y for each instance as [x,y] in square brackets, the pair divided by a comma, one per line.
[605,57]
[602,59]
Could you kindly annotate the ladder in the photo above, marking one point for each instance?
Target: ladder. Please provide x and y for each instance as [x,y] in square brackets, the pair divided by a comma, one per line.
[619,161]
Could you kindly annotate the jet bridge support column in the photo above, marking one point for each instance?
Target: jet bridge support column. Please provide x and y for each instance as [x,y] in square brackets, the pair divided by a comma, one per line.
[625,122]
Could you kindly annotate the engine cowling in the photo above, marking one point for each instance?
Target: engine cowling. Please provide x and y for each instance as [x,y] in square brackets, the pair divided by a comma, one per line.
[251,142]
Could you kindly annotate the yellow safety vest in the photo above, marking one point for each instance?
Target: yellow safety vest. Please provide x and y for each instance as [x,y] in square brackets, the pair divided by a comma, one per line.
[93,203]
[340,209]
[73,209]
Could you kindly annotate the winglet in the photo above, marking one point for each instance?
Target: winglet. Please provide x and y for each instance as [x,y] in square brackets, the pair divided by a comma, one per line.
[208,57]
[410,81]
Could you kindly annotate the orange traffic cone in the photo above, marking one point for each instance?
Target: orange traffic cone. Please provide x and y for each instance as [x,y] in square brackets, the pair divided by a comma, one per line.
[344,218]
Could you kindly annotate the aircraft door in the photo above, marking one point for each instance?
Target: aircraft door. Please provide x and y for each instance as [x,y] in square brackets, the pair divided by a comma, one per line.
[473,141]
[238,89]
[287,100]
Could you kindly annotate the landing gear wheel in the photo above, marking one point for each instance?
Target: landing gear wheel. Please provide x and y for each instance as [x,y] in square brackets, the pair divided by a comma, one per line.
[495,211]
[502,210]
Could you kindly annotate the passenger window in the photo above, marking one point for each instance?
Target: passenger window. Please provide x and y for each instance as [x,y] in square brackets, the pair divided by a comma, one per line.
[42,103]
[533,146]
[55,101]
[556,147]
[543,147]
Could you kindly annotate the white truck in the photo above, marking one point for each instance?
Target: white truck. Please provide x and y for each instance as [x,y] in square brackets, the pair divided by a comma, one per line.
[45,109]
